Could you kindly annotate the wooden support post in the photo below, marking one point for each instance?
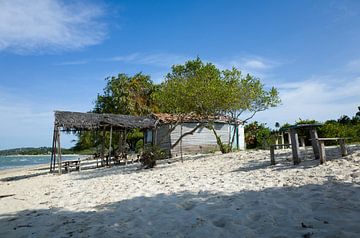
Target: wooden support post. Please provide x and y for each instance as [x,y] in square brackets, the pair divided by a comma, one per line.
[125,132]
[181,148]
[343,147]
[282,140]
[302,141]
[295,146]
[272,155]
[102,147]
[110,141]
[59,150]
[289,137]
[315,142]
[52,160]
[322,154]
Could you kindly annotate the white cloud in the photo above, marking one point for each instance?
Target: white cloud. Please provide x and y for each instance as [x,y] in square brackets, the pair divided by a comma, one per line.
[319,98]
[75,62]
[254,65]
[158,59]
[51,25]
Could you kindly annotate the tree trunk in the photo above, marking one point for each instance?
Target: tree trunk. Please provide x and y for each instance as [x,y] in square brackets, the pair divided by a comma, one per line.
[186,134]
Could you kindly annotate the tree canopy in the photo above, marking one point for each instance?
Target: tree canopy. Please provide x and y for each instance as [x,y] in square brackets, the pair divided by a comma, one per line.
[201,88]
[128,95]
[193,87]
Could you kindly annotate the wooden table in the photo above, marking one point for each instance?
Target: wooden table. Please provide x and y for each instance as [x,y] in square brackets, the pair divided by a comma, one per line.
[72,163]
[295,140]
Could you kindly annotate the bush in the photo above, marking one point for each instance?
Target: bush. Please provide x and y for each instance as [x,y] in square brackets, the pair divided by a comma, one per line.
[149,156]
[257,135]
[139,145]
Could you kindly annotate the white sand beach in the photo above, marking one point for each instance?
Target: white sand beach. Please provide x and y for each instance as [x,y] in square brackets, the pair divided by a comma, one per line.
[232,195]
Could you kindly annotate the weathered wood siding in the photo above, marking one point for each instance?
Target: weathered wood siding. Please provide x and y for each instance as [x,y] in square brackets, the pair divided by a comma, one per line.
[203,140]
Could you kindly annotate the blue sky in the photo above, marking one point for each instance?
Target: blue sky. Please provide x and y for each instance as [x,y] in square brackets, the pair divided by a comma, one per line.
[54,55]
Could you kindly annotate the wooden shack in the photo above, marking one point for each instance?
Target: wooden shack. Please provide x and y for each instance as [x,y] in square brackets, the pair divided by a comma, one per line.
[199,138]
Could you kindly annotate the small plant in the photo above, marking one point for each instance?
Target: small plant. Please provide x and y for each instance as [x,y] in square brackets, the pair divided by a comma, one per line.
[149,156]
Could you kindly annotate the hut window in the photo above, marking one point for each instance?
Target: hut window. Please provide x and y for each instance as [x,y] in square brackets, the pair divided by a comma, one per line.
[148,138]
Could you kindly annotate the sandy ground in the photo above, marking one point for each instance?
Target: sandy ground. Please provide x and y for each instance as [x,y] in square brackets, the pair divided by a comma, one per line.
[233,195]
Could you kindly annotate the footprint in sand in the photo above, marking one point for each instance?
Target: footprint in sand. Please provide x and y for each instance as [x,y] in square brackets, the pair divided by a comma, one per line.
[188,205]
[220,222]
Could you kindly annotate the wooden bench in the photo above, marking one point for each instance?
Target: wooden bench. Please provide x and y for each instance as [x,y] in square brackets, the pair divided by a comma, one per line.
[272,152]
[72,164]
[321,142]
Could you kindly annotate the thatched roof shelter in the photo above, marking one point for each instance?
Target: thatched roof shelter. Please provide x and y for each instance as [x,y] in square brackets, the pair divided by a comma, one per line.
[93,121]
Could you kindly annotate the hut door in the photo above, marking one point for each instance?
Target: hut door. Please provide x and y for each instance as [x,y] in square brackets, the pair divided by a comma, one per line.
[236,137]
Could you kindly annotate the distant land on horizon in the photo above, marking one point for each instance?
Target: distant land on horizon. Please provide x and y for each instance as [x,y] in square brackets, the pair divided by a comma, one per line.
[33,151]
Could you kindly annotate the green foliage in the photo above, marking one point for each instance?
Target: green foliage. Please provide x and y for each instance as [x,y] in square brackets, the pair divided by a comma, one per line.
[194,87]
[201,88]
[133,137]
[139,146]
[332,129]
[149,156]
[128,95]
[257,135]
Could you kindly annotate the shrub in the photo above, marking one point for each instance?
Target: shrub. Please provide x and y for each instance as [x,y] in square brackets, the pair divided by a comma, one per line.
[149,156]
[139,145]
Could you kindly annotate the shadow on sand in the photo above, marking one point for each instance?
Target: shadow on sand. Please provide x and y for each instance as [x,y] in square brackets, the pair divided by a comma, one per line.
[283,159]
[328,210]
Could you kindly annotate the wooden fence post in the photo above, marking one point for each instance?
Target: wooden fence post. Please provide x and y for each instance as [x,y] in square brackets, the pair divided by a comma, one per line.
[295,146]
[322,154]
[343,147]
[272,155]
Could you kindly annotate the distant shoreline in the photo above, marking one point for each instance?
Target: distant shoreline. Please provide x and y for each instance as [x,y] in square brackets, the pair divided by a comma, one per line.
[20,155]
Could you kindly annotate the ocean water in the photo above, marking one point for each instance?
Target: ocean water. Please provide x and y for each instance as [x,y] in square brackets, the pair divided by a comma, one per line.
[18,161]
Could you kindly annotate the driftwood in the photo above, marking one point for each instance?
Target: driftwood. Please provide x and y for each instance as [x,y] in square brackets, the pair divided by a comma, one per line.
[5,196]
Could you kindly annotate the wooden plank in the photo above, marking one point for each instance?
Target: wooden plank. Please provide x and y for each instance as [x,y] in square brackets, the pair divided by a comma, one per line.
[280,145]
[332,139]
[272,155]
[314,142]
[322,154]
[295,146]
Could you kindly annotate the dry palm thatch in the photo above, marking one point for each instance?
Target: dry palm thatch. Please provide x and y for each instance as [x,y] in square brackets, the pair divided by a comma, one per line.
[79,121]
